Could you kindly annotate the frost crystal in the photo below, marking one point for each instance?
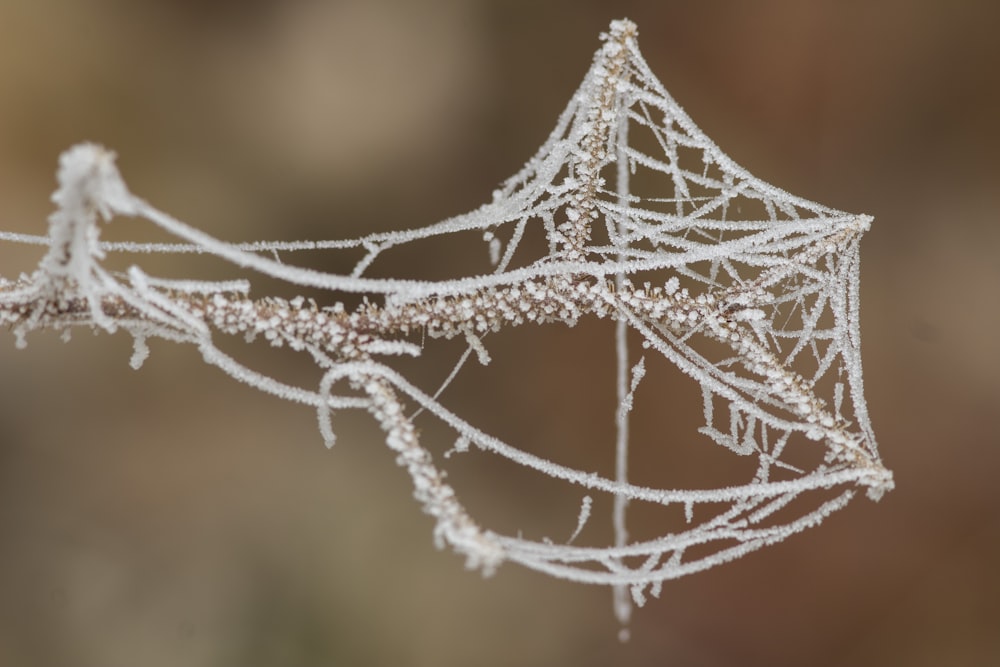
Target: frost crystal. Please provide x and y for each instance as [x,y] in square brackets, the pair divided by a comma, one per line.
[750,291]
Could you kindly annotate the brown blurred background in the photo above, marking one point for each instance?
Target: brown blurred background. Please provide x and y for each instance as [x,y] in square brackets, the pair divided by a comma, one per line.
[173,517]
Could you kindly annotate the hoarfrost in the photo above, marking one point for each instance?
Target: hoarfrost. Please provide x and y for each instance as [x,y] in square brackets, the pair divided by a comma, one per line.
[756,299]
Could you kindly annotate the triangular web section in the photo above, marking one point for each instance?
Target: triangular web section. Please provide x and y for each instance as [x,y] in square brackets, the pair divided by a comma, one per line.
[627,186]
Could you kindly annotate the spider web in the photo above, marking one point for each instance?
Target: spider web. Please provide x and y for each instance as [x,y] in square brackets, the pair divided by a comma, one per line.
[761,309]
[750,291]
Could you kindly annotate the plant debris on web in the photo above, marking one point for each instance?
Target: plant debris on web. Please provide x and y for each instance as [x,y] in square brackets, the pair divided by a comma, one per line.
[750,291]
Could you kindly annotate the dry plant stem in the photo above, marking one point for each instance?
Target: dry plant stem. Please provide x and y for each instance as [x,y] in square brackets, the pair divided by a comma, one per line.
[454,527]
[351,336]
[777,291]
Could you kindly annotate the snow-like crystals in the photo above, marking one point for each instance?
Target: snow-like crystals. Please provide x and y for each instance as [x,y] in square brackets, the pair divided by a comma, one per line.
[750,291]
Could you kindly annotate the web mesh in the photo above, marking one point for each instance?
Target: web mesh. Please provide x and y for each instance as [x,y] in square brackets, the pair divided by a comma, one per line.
[750,291]
[760,307]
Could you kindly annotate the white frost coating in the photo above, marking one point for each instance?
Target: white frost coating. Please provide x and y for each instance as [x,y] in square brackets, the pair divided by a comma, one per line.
[140,352]
[750,291]
[581,520]
[460,447]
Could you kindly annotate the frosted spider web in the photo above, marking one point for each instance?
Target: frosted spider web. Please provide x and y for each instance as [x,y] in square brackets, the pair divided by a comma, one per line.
[750,291]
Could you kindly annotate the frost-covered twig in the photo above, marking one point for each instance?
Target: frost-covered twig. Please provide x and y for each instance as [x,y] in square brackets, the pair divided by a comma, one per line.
[750,291]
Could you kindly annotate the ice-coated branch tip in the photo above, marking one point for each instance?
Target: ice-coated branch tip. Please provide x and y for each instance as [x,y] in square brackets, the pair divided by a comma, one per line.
[89,186]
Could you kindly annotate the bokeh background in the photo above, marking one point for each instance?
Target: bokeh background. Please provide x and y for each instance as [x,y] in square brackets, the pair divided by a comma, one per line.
[173,517]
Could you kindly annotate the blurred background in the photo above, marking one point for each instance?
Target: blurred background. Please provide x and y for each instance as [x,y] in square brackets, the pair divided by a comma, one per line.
[174,517]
